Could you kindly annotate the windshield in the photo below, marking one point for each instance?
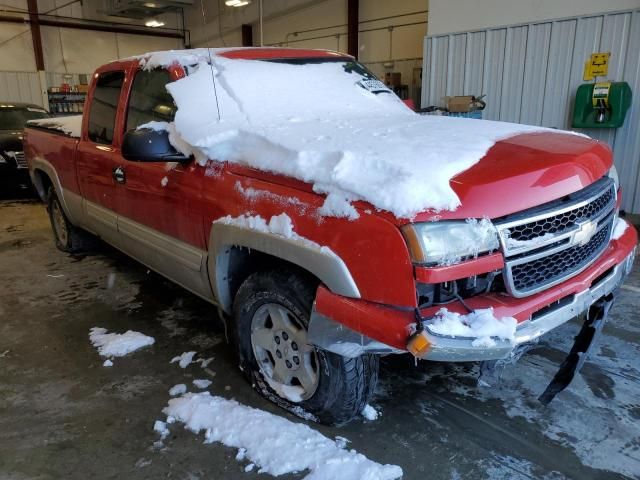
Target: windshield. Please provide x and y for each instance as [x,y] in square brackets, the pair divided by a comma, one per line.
[281,92]
[16,118]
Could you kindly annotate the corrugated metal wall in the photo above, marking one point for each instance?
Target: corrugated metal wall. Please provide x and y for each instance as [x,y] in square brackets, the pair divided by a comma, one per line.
[20,87]
[530,74]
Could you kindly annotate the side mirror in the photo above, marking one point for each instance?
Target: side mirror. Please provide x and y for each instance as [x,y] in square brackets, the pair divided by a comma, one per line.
[147,145]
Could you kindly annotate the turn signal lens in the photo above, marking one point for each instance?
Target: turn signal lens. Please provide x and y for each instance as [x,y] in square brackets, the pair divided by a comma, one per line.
[418,345]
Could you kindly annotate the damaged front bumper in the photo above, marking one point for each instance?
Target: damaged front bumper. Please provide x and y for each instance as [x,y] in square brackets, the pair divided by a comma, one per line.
[460,349]
[352,327]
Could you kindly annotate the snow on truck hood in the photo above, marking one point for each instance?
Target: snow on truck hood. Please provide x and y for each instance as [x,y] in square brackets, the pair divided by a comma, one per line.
[317,123]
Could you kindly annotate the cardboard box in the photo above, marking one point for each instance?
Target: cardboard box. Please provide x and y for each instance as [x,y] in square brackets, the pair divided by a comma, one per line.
[82,88]
[461,104]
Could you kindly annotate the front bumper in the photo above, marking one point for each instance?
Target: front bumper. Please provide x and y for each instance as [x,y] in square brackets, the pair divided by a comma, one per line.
[351,327]
[460,349]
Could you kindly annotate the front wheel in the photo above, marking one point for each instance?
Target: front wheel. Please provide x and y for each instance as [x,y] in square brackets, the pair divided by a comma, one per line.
[271,311]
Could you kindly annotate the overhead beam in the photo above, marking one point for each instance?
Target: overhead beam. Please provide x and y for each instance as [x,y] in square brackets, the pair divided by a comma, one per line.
[32,5]
[353,14]
[113,28]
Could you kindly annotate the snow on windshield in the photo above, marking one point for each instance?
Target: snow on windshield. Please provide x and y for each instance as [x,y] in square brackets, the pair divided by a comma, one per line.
[315,122]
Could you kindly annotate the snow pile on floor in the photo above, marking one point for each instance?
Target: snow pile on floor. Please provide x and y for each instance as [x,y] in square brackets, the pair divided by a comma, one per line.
[71,125]
[178,389]
[184,360]
[118,344]
[619,228]
[274,444]
[370,413]
[280,225]
[202,383]
[161,428]
[481,324]
[320,124]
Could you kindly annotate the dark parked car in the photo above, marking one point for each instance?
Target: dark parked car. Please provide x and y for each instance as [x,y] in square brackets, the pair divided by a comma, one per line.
[13,167]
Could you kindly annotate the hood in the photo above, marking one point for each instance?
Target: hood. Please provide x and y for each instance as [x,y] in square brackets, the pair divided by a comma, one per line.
[526,171]
[11,140]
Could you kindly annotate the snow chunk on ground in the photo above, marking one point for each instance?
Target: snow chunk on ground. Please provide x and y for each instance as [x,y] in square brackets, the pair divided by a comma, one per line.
[370,413]
[161,427]
[178,389]
[118,344]
[107,363]
[184,360]
[276,445]
[619,228]
[317,123]
[480,324]
[70,125]
[202,383]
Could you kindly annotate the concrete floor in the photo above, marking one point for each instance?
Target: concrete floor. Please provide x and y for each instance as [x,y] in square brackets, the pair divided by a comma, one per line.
[64,415]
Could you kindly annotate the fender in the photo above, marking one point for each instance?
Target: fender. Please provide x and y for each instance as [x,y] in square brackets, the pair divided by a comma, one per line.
[70,201]
[325,265]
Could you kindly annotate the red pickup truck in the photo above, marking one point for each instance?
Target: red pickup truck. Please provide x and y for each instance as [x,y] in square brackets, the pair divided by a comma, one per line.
[315,298]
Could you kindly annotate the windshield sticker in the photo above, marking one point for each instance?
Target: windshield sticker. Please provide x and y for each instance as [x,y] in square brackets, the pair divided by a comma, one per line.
[374,86]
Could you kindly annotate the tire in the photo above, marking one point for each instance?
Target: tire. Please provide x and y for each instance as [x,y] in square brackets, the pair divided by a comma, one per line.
[278,304]
[68,238]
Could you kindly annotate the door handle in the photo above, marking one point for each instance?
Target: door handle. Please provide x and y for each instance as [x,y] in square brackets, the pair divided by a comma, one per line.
[118,175]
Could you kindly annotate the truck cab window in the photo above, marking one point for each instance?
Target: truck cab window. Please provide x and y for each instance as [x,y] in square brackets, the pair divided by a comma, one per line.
[102,113]
[149,99]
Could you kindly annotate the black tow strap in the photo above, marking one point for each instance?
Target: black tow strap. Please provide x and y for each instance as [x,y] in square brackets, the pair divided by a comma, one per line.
[584,341]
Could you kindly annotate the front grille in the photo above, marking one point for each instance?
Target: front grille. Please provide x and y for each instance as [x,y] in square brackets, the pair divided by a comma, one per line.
[549,244]
[549,268]
[562,221]
[21,162]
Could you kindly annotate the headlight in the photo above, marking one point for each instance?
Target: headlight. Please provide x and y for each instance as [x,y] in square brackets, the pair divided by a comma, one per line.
[449,242]
[613,175]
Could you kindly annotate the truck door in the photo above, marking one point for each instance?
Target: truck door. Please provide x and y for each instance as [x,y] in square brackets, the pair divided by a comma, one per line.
[159,212]
[96,154]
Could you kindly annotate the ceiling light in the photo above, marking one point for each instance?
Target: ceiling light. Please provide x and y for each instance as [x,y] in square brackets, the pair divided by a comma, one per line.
[150,5]
[154,23]
[237,3]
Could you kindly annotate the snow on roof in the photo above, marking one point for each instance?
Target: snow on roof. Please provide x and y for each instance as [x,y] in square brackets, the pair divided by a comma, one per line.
[321,123]
[193,56]
[71,125]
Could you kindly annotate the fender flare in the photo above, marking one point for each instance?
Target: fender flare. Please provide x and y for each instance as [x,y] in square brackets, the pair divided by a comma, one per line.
[49,170]
[329,268]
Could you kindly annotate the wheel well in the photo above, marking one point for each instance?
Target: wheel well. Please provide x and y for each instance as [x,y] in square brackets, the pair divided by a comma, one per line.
[245,261]
[42,183]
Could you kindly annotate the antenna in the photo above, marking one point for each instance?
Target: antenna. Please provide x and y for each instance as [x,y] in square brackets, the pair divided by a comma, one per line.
[213,80]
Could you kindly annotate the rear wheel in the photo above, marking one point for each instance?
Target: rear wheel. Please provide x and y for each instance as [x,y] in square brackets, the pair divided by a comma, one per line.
[271,311]
[68,237]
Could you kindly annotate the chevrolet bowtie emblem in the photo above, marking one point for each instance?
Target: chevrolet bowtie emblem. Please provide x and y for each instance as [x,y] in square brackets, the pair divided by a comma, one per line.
[586,231]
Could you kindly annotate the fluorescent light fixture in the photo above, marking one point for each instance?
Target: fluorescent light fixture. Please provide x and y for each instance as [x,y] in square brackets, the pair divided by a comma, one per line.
[237,3]
[154,23]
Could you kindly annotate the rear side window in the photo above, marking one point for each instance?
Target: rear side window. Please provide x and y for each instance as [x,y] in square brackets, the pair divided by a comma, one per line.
[149,99]
[102,113]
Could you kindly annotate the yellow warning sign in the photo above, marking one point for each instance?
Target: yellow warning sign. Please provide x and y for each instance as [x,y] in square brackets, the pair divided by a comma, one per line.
[597,65]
